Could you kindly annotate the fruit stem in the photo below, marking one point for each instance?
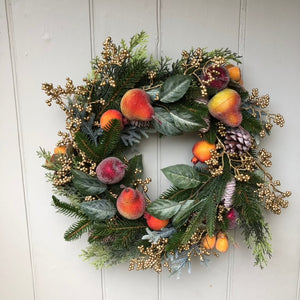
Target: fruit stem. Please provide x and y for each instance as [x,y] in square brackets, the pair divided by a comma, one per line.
[156,119]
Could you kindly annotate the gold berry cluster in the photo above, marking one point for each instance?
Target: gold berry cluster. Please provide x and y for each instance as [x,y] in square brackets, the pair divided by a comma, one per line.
[257,110]
[273,198]
[151,257]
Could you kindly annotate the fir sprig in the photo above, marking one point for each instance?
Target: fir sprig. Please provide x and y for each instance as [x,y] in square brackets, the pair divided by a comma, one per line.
[67,208]
[254,227]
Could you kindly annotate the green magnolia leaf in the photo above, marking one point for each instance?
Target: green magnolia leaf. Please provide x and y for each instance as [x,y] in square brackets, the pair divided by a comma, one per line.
[98,210]
[166,125]
[174,88]
[153,93]
[184,176]
[183,213]
[87,185]
[163,208]
[189,119]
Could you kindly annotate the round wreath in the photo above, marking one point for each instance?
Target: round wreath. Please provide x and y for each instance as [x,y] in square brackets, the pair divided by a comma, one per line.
[128,96]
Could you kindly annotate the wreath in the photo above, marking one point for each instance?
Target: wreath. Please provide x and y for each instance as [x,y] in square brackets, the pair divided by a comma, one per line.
[126,97]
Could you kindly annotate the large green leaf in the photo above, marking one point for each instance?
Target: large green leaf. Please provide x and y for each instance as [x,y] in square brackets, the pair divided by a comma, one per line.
[189,119]
[184,176]
[163,208]
[87,185]
[166,125]
[98,210]
[183,213]
[174,88]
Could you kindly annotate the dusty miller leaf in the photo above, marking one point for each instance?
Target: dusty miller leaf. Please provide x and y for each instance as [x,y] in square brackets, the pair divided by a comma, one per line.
[98,210]
[87,185]
[184,176]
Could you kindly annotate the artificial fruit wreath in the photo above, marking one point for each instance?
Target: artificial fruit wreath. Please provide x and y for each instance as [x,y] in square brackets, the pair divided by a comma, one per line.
[126,97]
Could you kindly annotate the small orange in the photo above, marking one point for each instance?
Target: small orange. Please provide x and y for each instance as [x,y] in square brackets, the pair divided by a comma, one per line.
[222,242]
[209,242]
[201,151]
[109,115]
[154,223]
[234,72]
[60,150]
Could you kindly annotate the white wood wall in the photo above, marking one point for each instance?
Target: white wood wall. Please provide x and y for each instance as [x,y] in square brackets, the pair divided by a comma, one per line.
[46,41]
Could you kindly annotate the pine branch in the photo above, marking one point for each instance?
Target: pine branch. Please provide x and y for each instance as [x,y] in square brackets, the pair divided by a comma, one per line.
[177,194]
[67,209]
[90,150]
[110,139]
[254,228]
[76,230]
[174,241]
[121,232]
[210,196]
[211,208]
[194,225]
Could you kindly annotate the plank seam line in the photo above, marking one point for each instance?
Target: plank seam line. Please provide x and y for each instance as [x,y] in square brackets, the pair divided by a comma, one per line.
[158,164]
[241,51]
[92,27]
[9,21]
[298,284]
[242,29]
[92,46]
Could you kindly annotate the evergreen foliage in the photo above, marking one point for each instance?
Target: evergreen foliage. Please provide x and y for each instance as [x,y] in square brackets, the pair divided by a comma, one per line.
[90,150]
[67,209]
[76,230]
[122,233]
[110,139]
[254,228]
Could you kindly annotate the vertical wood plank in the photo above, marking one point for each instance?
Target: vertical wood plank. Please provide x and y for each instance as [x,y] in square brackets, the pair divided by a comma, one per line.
[121,20]
[52,42]
[272,44]
[15,258]
[183,26]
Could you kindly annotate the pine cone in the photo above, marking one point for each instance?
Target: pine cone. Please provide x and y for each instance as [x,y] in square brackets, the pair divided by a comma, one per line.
[238,140]
[140,124]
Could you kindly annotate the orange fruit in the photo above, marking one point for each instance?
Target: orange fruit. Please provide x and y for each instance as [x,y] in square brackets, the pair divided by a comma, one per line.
[60,150]
[209,242]
[154,223]
[234,72]
[109,115]
[222,242]
[201,151]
